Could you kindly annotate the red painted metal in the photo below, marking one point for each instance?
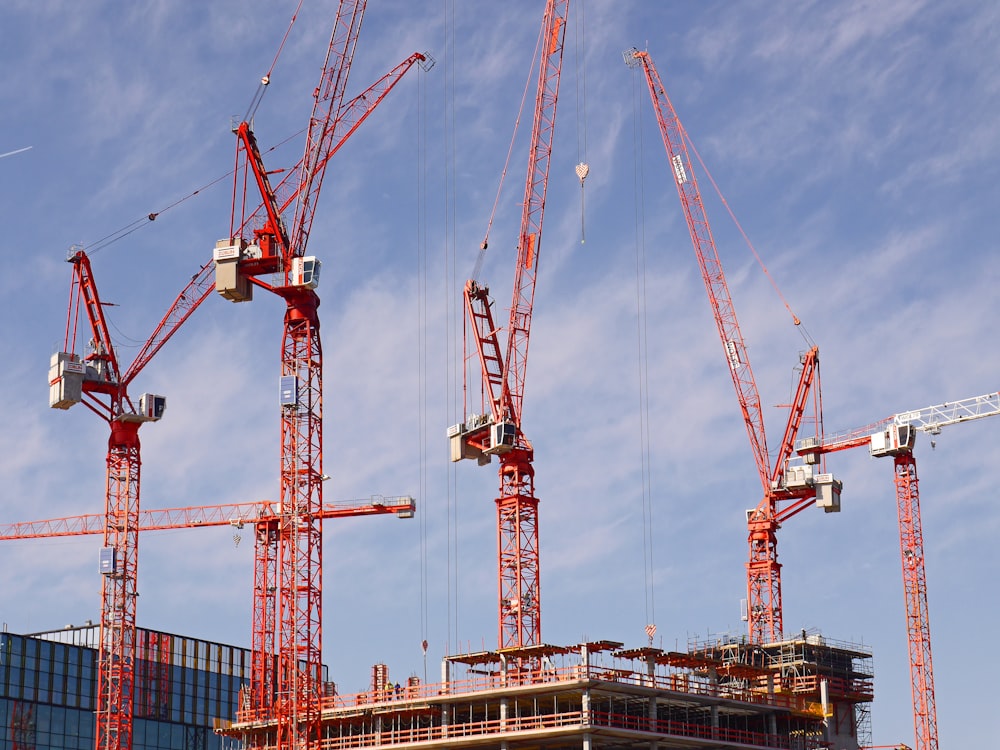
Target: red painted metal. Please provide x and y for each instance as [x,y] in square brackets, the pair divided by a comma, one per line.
[22,725]
[519,594]
[911,548]
[930,419]
[105,392]
[764,603]
[287,612]
[152,680]
[229,514]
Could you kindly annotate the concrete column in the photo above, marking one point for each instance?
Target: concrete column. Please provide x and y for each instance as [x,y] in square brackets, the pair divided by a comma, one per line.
[445,688]
[445,675]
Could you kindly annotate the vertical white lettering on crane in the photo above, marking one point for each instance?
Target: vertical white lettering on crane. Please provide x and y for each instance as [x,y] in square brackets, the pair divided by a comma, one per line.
[679,171]
[733,353]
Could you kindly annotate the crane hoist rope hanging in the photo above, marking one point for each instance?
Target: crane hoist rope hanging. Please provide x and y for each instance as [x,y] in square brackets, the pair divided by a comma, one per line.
[582,167]
[477,269]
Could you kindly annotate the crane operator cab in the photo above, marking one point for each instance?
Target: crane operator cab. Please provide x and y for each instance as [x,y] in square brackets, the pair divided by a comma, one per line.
[305,271]
[893,440]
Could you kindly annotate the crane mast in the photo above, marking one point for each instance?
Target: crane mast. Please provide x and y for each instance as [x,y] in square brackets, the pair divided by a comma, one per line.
[504,369]
[786,490]
[894,437]
[96,380]
[285,689]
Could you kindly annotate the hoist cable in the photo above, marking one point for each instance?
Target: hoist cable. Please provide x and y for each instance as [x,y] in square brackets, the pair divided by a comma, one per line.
[266,78]
[643,360]
[774,284]
[510,150]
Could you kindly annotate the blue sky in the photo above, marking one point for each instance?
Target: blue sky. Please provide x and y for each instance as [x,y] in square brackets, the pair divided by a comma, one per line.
[855,141]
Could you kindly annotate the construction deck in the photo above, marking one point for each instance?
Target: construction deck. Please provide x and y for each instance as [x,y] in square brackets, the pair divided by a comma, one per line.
[797,695]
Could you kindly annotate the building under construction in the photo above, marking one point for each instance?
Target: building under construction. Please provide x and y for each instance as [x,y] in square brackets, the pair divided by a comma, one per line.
[798,694]
[801,693]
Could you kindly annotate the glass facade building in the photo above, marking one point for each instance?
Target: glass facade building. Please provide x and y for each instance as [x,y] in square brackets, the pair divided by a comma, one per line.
[184,688]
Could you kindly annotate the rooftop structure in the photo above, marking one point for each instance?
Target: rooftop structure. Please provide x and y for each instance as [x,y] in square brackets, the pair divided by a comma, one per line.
[183,688]
[798,694]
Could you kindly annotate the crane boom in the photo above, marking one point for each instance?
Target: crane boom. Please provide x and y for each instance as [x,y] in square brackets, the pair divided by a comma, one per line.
[929,419]
[785,493]
[229,514]
[533,206]
[196,292]
[282,196]
[327,101]
[712,274]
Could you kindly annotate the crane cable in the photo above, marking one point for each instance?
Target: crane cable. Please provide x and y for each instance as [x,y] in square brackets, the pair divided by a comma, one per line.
[422,349]
[453,358]
[126,230]
[477,269]
[580,57]
[643,363]
[132,226]
[795,318]
[266,78]
[251,110]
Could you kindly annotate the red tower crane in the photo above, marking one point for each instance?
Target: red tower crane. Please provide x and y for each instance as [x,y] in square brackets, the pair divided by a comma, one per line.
[787,489]
[895,436]
[503,371]
[285,689]
[96,379]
